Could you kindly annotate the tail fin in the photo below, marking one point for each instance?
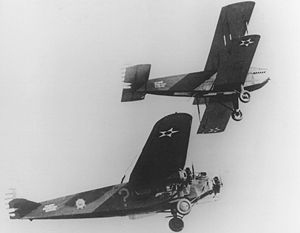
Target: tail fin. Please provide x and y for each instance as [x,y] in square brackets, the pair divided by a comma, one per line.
[135,80]
[19,207]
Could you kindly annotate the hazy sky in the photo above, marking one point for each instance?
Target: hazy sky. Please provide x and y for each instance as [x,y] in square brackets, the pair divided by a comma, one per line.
[64,130]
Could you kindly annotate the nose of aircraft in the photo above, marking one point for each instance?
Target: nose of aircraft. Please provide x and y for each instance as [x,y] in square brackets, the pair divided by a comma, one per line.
[261,75]
[256,78]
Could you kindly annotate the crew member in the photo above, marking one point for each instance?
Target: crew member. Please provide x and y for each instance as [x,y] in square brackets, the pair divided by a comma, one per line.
[189,177]
[216,185]
[188,181]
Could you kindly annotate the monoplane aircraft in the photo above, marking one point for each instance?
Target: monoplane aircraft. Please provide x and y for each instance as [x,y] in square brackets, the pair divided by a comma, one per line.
[227,77]
[158,184]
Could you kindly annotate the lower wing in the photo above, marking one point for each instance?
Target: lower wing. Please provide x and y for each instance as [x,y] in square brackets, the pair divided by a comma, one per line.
[216,116]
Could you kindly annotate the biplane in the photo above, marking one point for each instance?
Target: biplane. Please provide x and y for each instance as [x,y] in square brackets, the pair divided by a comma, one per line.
[158,183]
[226,80]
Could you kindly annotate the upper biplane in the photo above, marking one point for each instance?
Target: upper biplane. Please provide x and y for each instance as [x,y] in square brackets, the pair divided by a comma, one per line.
[158,184]
[227,77]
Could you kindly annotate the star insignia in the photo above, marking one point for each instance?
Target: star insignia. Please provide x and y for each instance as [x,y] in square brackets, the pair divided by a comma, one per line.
[215,130]
[168,133]
[246,43]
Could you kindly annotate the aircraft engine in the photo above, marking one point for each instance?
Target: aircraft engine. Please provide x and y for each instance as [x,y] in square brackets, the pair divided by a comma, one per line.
[184,206]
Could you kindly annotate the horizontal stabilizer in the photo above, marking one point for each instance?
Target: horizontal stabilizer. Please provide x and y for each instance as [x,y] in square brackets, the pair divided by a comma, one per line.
[135,82]
[20,207]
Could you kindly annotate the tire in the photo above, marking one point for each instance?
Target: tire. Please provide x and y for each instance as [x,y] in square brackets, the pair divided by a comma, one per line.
[237,115]
[245,97]
[176,224]
[184,206]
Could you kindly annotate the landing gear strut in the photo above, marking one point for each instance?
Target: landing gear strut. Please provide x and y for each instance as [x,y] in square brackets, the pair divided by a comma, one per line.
[236,114]
[244,95]
[183,207]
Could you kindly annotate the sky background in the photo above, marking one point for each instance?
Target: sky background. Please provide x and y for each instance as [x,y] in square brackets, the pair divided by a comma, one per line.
[64,130]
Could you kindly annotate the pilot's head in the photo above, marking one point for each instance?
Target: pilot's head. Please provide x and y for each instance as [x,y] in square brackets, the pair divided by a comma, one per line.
[188,171]
[203,174]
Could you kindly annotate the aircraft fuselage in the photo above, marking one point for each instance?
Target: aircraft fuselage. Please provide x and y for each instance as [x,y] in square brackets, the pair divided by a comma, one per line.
[201,84]
[115,200]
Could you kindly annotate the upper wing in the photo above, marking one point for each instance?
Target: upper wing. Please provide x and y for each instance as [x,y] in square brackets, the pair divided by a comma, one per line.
[232,24]
[216,117]
[231,75]
[165,150]
[234,69]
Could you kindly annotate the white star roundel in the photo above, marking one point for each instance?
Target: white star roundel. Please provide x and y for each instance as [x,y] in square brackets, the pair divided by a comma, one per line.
[168,133]
[215,130]
[246,42]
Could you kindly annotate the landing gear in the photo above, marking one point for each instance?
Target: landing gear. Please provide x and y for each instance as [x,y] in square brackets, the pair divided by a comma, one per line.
[176,224]
[245,96]
[182,208]
[237,115]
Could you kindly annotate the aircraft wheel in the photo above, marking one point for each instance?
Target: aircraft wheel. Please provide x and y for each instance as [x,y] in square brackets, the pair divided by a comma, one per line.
[245,96]
[176,224]
[184,206]
[237,115]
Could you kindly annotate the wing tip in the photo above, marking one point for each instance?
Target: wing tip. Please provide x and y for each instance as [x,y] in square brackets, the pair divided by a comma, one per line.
[246,4]
[210,131]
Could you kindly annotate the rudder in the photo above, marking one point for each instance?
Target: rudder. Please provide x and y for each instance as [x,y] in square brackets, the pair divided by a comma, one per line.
[135,80]
[19,207]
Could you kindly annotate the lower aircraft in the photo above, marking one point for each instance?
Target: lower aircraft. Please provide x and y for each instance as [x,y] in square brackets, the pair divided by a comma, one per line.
[159,183]
[226,80]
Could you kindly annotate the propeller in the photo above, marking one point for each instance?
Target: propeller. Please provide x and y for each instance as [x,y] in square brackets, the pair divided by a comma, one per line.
[123,179]
[193,171]
[221,180]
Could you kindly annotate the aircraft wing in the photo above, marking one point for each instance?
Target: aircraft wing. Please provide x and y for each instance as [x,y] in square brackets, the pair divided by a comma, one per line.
[232,24]
[215,118]
[233,70]
[164,152]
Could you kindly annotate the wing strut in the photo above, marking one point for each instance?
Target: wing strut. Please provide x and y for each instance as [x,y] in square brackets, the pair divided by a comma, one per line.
[198,108]
[226,106]
[123,179]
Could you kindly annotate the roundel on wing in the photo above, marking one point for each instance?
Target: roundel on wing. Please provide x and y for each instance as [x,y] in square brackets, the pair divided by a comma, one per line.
[168,133]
